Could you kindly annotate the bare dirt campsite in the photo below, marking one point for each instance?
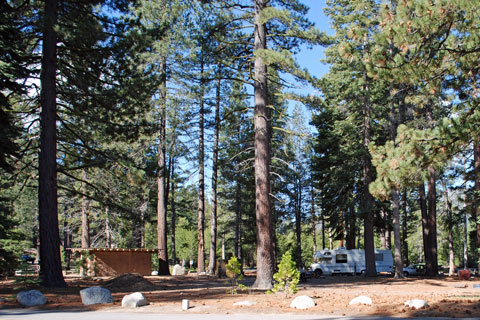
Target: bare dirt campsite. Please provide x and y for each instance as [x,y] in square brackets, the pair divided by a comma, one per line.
[446,296]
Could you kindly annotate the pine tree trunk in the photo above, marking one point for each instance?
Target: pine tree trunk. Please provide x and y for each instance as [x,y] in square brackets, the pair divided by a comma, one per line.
[213,227]
[66,241]
[238,222]
[383,240]
[341,228]
[396,234]
[431,264]
[201,181]
[404,229]
[476,199]
[351,229]
[85,241]
[323,231]
[298,223]
[265,258]
[50,262]
[388,238]
[367,199]
[395,198]
[423,210]
[108,234]
[161,192]
[314,219]
[174,212]
[448,211]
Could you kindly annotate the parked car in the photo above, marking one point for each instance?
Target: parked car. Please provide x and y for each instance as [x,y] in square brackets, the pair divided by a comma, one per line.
[414,270]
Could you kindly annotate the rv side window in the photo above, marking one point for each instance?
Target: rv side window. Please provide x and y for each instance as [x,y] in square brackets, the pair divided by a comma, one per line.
[341,258]
[378,256]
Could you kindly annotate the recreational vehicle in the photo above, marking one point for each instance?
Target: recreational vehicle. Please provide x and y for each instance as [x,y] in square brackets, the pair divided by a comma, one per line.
[342,261]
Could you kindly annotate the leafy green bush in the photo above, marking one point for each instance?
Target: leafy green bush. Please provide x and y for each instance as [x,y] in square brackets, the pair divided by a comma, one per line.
[26,277]
[234,272]
[287,277]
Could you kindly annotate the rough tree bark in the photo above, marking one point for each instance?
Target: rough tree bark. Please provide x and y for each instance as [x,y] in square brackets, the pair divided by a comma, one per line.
[448,211]
[201,179]
[423,210]
[431,264]
[161,192]
[476,197]
[298,222]
[265,258]
[85,241]
[397,237]
[398,261]
[367,198]
[50,263]
[314,218]
[238,223]
[213,227]
[404,229]
[174,211]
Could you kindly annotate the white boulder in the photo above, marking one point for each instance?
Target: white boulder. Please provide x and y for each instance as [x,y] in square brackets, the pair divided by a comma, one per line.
[154,273]
[134,300]
[246,303]
[416,304]
[96,295]
[178,270]
[361,300]
[31,298]
[302,302]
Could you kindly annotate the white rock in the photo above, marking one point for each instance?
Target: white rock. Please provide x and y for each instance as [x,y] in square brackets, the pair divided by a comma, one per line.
[134,300]
[31,298]
[361,300]
[302,302]
[416,304]
[155,273]
[178,270]
[96,295]
[247,303]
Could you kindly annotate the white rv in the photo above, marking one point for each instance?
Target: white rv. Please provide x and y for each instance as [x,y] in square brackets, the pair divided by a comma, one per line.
[342,261]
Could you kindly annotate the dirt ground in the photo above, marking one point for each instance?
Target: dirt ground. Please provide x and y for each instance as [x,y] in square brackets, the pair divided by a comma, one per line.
[447,297]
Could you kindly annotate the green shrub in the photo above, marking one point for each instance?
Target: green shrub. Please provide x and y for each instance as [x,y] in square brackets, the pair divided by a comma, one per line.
[26,277]
[287,277]
[234,272]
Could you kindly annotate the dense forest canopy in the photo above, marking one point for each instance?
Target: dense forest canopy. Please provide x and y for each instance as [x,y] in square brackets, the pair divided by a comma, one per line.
[175,125]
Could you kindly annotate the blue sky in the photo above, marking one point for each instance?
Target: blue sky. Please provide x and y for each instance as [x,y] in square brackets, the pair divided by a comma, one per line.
[311,58]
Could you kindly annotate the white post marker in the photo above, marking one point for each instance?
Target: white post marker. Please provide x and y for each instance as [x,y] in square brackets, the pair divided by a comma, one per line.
[185,304]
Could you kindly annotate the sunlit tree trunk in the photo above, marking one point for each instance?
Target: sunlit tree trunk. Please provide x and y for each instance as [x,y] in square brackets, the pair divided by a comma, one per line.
[265,254]
[161,191]
[213,228]
[174,211]
[201,180]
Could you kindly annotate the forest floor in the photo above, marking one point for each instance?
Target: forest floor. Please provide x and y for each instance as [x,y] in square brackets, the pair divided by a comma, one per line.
[446,296]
